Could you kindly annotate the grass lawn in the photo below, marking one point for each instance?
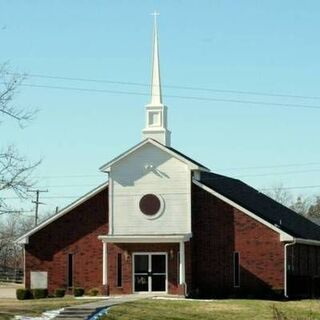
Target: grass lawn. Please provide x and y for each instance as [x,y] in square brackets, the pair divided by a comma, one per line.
[215,309]
[11,307]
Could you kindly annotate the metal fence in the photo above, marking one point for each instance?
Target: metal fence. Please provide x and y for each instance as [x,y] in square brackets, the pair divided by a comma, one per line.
[15,276]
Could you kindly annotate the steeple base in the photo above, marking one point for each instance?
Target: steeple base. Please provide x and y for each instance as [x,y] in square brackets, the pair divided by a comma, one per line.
[161,135]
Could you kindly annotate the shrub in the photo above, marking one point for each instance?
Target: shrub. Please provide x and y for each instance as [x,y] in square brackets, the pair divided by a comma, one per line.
[78,292]
[94,292]
[40,293]
[23,294]
[59,293]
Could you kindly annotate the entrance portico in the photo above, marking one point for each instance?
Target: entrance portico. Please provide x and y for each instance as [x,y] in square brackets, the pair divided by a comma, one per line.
[148,263]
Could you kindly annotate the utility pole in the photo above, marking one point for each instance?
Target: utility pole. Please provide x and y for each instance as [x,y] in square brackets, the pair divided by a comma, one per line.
[37,202]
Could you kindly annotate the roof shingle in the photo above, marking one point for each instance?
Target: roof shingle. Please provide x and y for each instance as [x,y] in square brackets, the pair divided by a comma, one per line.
[263,206]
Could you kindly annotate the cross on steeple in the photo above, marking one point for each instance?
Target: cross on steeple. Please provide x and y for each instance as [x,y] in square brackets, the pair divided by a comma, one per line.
[155,14]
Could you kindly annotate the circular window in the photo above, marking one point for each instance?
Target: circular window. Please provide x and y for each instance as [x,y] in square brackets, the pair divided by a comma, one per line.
[150,204]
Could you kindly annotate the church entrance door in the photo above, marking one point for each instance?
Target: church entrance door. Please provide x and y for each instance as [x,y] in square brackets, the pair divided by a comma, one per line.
[150,272]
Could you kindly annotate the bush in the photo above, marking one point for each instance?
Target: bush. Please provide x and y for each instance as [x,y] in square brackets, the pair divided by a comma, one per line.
[78,292]
[59,293]
[23,294]
[40,293]
[94,292]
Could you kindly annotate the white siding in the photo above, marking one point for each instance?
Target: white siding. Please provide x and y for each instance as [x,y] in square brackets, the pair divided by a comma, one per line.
[169,177]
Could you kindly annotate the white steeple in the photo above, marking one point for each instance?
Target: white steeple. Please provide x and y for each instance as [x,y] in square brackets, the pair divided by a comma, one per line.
[156,111]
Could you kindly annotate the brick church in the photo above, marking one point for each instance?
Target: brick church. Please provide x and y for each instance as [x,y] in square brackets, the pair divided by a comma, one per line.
[164,223]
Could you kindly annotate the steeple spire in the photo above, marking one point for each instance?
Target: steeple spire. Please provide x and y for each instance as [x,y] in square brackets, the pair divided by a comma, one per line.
[156,97]
[156,111]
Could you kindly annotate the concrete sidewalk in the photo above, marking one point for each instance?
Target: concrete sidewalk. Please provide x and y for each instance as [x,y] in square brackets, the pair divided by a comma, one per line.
[86,310]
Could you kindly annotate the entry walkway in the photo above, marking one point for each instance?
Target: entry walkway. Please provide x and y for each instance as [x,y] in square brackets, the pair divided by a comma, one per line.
[87,310]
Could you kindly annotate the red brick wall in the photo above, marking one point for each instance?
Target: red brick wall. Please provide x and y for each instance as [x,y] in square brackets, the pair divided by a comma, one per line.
[127,250]
[218,231]
[74,233]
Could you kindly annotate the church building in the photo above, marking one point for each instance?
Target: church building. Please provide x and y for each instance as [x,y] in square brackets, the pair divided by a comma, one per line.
[164,223]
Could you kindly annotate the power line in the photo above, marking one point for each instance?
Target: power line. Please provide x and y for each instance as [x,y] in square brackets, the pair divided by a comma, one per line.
[247,102]
[173,193]
[73,176]
[272,166]
[234,176]
[301,187]
[275,173]
[220,169]
[68,186]
[242,92]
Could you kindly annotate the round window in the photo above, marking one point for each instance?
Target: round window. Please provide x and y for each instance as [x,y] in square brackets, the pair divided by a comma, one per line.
[150,204]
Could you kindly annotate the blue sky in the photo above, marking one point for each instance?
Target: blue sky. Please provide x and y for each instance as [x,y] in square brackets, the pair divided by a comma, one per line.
[258,46]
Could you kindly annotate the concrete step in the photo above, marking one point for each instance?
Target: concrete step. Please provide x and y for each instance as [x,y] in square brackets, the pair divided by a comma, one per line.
[73,315]
[76,313]
[69,318]
[67,311]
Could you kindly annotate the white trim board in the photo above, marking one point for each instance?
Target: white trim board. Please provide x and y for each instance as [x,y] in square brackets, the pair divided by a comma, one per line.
[106,167]
[24,239]
[283,235]
[159,238]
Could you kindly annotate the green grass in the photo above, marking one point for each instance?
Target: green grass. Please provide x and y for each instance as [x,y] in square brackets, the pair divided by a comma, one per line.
[12,307]
[215,309]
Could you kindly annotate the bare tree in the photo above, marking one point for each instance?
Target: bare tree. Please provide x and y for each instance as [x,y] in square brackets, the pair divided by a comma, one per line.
[11,257]
[15,170]
[314,209]
[279,194]
[300,204]
[9,85]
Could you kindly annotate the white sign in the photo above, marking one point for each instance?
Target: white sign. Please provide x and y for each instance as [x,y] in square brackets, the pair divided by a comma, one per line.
[39,279]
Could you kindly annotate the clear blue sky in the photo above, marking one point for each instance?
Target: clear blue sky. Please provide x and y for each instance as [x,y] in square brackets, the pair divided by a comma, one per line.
[258,46]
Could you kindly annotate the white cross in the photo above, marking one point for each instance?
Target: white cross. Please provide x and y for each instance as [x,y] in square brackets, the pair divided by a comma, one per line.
[155,14]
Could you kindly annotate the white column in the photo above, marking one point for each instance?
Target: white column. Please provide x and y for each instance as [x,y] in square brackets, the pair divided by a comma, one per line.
[182,263]
[104,263]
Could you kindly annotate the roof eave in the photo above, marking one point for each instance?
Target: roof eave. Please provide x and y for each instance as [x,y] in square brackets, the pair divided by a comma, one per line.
[307,241]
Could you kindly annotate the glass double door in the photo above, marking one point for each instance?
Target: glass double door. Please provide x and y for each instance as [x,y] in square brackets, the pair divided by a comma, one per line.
[150,272]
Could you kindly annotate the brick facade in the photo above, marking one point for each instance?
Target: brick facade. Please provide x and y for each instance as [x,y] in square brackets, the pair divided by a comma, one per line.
[218,231]
[74,233]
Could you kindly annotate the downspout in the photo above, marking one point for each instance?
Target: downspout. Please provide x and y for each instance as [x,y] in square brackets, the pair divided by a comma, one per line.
[285,266]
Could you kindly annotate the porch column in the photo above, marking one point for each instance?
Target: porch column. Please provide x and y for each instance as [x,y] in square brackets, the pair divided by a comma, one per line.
[182,263]
[104,263]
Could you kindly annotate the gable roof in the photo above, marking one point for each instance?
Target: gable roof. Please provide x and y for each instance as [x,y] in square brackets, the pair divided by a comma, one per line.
[188,158]
[24,238]
[190,162]
[264,207]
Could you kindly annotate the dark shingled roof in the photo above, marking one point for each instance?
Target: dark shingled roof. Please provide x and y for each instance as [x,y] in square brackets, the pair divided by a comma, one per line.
[186,157]
[263,206]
